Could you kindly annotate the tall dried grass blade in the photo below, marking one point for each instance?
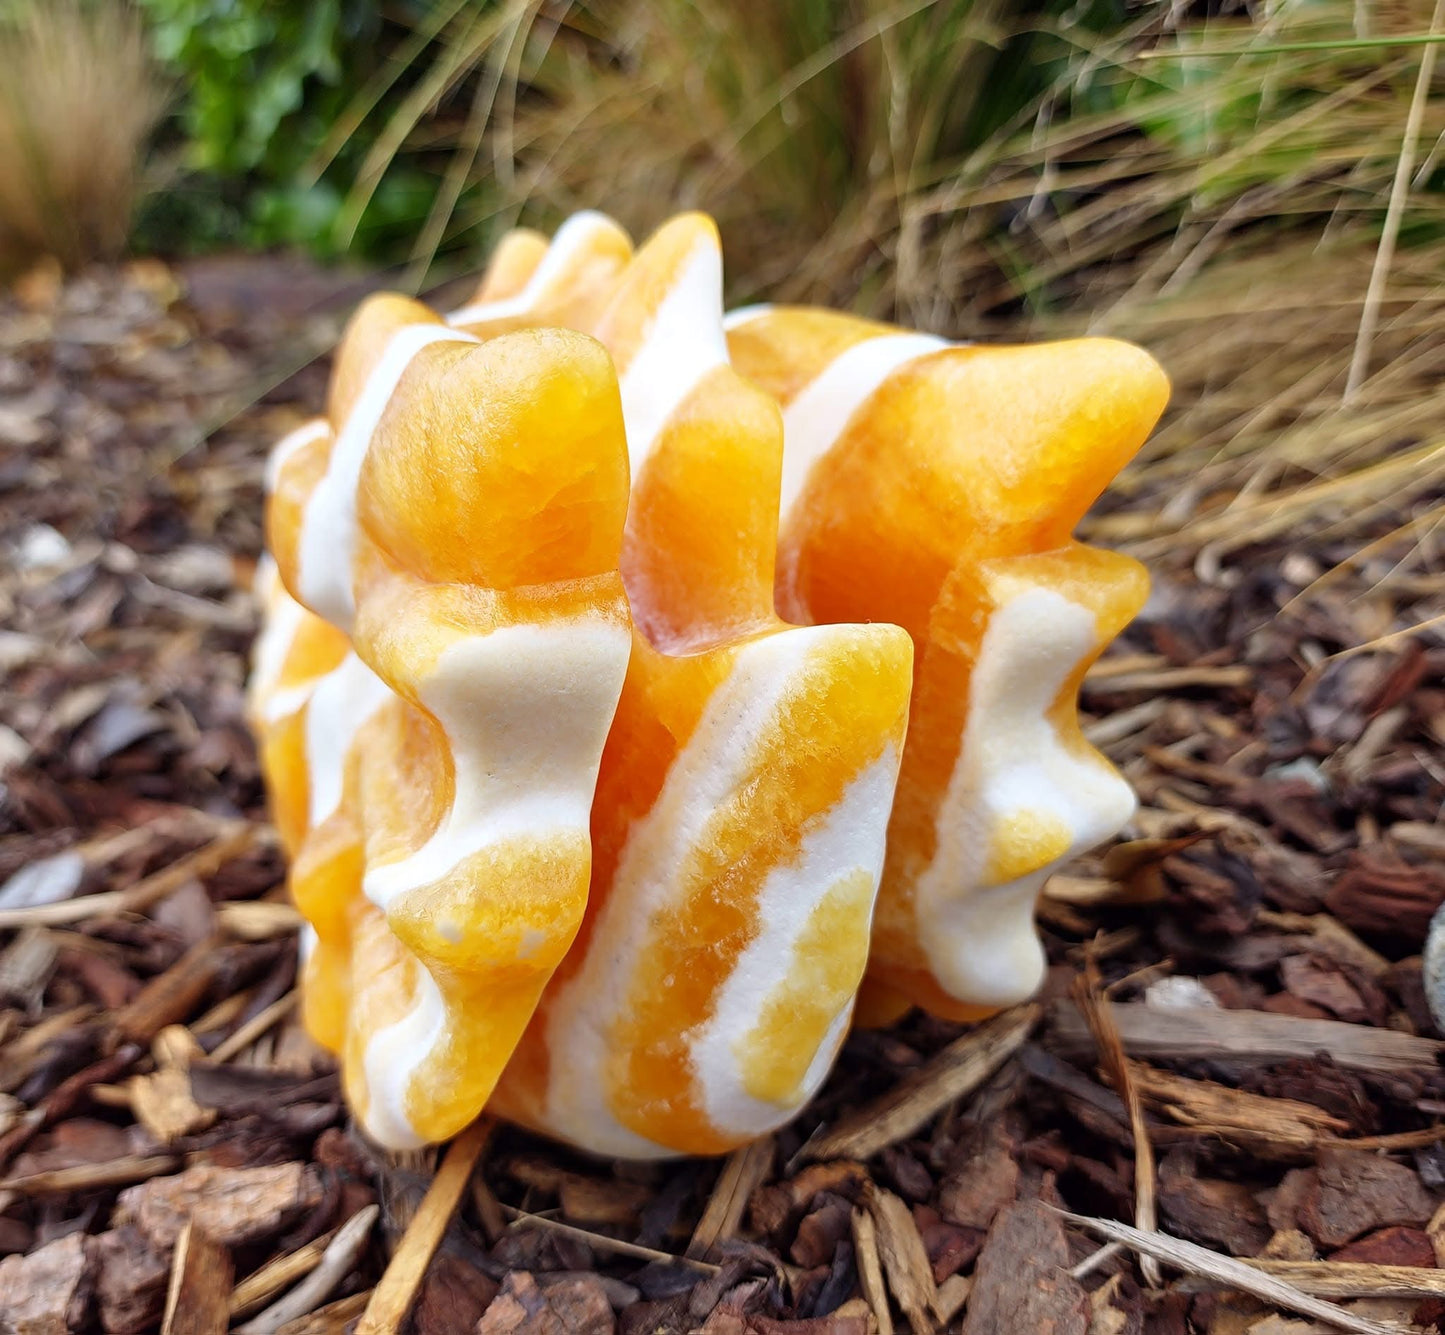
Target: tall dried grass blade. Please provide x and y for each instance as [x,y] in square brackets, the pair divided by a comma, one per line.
[78,99]
[1404,166]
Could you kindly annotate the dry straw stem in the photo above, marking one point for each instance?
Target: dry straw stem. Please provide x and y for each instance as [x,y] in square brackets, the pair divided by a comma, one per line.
[1222,203]
[950,1074]
[1098,1011]
[1355,1279]
[78,99]
[602,1242]
[391,1300]
[1404,166]
[1231,1274]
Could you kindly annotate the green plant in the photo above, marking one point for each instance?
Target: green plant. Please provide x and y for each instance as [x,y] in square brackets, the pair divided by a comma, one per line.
[264,84]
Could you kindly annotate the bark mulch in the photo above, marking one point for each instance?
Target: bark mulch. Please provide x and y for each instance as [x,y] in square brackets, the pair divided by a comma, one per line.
[1225,1113]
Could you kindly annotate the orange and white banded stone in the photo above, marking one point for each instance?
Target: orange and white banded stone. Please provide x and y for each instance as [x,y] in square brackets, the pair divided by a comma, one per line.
[742,806]
[459,519]
[532,283]
[592,636]
[937,485]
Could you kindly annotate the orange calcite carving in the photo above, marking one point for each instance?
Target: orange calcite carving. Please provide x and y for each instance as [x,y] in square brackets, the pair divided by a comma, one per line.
[474,506]
[740,814]
[446,641]
[937,486]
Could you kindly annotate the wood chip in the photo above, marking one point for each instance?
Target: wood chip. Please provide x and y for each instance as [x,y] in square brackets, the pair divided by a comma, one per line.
[574,1304]
[489,1210]
[90,1176]
[870,1269]
[25,965]
[956,1071]
[952,1296]
[257,919]
[1258,1037]
[336,1263]
[1353,1192]
[170,996]
[235,1206]
[1021,1282]
[48,1291]
[333,1319]
[585,1197]
[257,1025]
[743,1172]
[163,1104]
[131,1282]
[391,1300]
[1270,1126]
[1354,1279]
[1171,679]
[905,1261]
[265,1284]
[198,1301]
[64,1097]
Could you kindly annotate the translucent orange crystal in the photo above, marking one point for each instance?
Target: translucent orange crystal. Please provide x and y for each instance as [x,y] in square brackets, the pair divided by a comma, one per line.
[448,637]
[740,814]
[451,757]
[938,486]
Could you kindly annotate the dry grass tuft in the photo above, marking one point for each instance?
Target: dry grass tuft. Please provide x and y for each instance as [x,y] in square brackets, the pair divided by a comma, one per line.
[1260,445]
[78,99]
[1225,211]
[1216,188]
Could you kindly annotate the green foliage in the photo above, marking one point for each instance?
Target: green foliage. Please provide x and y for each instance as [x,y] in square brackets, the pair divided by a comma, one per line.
[263,84]
[248,63]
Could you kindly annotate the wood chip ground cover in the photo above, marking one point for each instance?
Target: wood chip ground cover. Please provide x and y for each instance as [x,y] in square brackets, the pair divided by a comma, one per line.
[1238,981]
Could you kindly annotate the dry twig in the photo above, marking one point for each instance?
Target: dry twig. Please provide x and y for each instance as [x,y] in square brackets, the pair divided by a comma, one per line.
[958,1070]
[392,1298]
[1232,1273]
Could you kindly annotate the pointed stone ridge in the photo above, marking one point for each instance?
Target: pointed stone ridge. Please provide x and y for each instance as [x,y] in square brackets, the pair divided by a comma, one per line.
[448,759]
[740,815]
[597,614]
[937,485]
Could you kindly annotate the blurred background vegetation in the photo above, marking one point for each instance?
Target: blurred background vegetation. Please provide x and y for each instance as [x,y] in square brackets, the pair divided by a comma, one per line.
[1252,191]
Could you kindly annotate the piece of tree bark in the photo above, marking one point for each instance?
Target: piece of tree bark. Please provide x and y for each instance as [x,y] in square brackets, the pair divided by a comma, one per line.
[47,1292]
[234,1206]
[1257,1037]
[199,1299]
[905,1260]
[1021,1282]
[870,1269]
